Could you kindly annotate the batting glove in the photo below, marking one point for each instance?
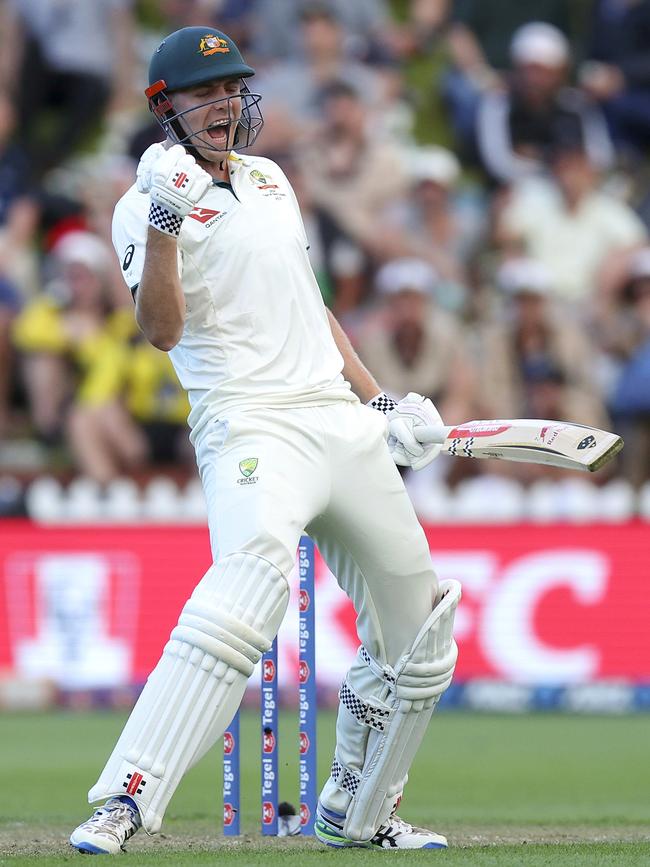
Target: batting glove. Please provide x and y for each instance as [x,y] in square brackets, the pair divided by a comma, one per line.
[147,160]
[403,418]
[177,184]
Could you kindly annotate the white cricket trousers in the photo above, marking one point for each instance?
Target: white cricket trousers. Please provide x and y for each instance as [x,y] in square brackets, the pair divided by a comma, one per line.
[271,474]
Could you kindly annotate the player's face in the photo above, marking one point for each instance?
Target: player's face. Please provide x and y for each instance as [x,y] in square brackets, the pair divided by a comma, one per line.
[210,113]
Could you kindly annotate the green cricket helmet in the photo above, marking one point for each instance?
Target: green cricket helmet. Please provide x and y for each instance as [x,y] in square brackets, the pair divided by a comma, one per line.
[190,57]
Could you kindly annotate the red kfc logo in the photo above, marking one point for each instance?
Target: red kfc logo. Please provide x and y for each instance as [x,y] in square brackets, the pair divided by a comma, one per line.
[303,672]
[268,741]
[228,814]
[268,671]
[268,812]
[304,743]
[304,601]
[228,743]
[305,815]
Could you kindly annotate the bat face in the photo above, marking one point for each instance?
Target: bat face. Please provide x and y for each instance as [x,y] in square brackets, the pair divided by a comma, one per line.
[538,441]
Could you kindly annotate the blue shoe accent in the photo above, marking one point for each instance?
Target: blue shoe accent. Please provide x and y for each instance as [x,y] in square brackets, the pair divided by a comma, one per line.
[330,815]
[89,849]
[125,799]
[331,834]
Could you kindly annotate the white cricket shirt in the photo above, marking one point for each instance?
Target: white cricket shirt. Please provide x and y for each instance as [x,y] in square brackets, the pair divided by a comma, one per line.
[256,330]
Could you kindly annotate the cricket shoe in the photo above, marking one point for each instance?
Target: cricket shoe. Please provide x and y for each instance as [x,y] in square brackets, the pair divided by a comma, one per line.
[395,834]
[108,829]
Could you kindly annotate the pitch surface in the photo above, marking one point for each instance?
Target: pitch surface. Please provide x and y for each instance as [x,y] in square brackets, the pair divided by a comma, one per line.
[506,790]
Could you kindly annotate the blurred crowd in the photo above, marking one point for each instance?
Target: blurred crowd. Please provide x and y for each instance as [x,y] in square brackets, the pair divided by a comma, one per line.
[474,181]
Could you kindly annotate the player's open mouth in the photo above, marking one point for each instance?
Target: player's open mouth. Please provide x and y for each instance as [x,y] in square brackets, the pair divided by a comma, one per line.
[218,131]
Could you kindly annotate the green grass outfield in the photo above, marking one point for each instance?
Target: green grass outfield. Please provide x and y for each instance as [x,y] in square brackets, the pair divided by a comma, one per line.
[506,790]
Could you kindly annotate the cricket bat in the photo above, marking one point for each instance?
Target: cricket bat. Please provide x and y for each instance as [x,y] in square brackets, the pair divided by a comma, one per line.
[533,440]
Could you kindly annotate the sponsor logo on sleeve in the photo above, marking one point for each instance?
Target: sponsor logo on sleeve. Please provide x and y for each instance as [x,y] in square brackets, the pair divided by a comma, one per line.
[128,257]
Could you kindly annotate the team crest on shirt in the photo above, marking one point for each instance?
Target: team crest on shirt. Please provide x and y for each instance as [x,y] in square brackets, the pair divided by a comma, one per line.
[211,44]
[261,181]
[247,467]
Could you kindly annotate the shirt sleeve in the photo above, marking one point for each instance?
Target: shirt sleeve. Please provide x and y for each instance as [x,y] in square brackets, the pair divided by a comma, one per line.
[130,239]
[130,226]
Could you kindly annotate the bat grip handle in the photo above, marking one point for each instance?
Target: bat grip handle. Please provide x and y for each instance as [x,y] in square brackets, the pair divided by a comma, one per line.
[430,433]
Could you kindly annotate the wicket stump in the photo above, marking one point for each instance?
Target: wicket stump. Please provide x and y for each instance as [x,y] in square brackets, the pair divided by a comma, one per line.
[308,712]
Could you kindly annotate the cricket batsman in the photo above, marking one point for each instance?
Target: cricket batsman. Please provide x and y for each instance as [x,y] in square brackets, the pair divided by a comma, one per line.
[291,434]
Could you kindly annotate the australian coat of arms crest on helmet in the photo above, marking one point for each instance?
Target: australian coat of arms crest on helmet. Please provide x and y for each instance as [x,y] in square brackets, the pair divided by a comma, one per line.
[211,44]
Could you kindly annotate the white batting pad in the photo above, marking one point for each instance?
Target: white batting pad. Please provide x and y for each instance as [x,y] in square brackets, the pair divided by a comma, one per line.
[383,716]
[197,686]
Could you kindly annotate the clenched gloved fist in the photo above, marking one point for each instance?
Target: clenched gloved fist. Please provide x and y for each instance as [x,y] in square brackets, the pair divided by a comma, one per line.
[147,160]
[176,183]
[404,418]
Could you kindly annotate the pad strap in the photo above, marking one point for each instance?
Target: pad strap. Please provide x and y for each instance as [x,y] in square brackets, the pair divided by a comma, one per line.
[383,672]
[414,687]
[375,715]
[345,778]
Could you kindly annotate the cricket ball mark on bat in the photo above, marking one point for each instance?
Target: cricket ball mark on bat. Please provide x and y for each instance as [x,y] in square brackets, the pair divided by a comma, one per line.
[536,441]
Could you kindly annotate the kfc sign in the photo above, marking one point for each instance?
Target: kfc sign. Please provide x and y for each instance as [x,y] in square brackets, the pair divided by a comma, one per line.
[559,604]
[500,606]
[549,605]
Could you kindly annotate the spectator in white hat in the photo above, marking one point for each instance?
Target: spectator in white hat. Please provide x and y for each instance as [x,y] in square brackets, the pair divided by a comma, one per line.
[518,126]
[435,221]
[478,36]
